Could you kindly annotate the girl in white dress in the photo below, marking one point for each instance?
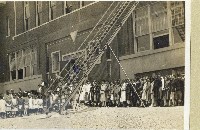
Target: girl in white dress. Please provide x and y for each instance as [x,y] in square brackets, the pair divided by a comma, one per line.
[30,105]
[123,93]
[2,107]
[14,106]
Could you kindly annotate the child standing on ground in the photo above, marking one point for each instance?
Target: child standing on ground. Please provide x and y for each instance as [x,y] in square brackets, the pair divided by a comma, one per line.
[14,106]
[2,107]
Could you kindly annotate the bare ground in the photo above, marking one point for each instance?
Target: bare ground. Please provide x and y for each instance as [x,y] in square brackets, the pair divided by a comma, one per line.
[104,118]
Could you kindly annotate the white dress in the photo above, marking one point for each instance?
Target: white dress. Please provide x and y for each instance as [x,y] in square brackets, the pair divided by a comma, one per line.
[2,105]
[82,94]
[30,103]
[40,103]
[103,96]
[123,93]
[35,104]
[87,90]
[144,95]
[14,105]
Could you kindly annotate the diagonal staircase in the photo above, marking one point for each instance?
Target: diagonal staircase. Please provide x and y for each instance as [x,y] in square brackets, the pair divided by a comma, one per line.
[181,31]
[97,45]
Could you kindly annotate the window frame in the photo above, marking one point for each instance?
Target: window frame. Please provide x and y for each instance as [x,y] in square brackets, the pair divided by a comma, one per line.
[26,15]
[52,65]
[38,13]
[160,35]
[52,5]
[7,26]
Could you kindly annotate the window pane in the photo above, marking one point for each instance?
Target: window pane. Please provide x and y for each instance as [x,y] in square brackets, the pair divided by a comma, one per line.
[55,61]
[20,74]
[143,43]
[35,72]
[27,71]
[178,13]
[13,74]
[161,41]
[159,16]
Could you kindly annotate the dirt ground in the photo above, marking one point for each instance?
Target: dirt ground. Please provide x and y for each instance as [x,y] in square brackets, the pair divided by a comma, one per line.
[104,118]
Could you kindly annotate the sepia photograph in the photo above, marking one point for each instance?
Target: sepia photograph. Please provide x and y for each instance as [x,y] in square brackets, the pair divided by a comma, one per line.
[92,64]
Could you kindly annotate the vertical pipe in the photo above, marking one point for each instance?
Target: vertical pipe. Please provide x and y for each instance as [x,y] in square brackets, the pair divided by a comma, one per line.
[15,19]
[169,18]
[150,27]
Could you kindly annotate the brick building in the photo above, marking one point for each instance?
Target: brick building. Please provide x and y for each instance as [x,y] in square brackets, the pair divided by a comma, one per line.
[38,38]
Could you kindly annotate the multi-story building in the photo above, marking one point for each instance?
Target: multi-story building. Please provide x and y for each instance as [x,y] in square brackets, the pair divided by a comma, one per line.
[38,38]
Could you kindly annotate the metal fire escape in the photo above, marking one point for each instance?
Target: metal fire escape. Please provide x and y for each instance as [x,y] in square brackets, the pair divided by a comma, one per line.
[96,44]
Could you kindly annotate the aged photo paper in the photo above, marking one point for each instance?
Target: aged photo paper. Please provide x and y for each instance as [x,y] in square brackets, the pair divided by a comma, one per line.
[94,64]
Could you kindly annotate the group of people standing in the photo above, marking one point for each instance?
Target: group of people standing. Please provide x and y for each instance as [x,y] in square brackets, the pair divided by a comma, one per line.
[146,91]
[14,104]
[139,92]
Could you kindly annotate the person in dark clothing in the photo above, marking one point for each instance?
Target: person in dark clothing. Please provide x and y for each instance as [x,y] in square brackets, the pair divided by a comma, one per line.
[20,101]
[156,88]
[138,87]
[179,91]
[97,93]
[172,92]
[134,96]
[92,95]
[128,94]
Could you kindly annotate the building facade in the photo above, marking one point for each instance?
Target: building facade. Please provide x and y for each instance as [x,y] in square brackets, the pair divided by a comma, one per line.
[39,38]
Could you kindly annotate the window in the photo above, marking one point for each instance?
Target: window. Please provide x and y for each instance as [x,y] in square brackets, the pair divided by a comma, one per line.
[82,3]
[24,65]
[20,74]
[178,21]
[38,13]
[142,29]
[8,26]
[27,62]
[71,58]
[67,7]
[34,61]
[52,5]
[178,13]
[159,25]
[159,17]
[55,57]
[12,66]
[161,41]
[20,64]
[13,75]
[26,15]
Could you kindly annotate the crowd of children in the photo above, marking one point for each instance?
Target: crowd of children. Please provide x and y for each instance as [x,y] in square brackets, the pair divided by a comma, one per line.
[146,91]
[19,104]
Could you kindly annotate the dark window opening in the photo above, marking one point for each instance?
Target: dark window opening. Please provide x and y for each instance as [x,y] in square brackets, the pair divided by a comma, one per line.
[47,67]
[20,74]
[38,20]
[161,41]
[13,74]
[8,26]
[68,8]
[51,13]
[82,3]
[26,24]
